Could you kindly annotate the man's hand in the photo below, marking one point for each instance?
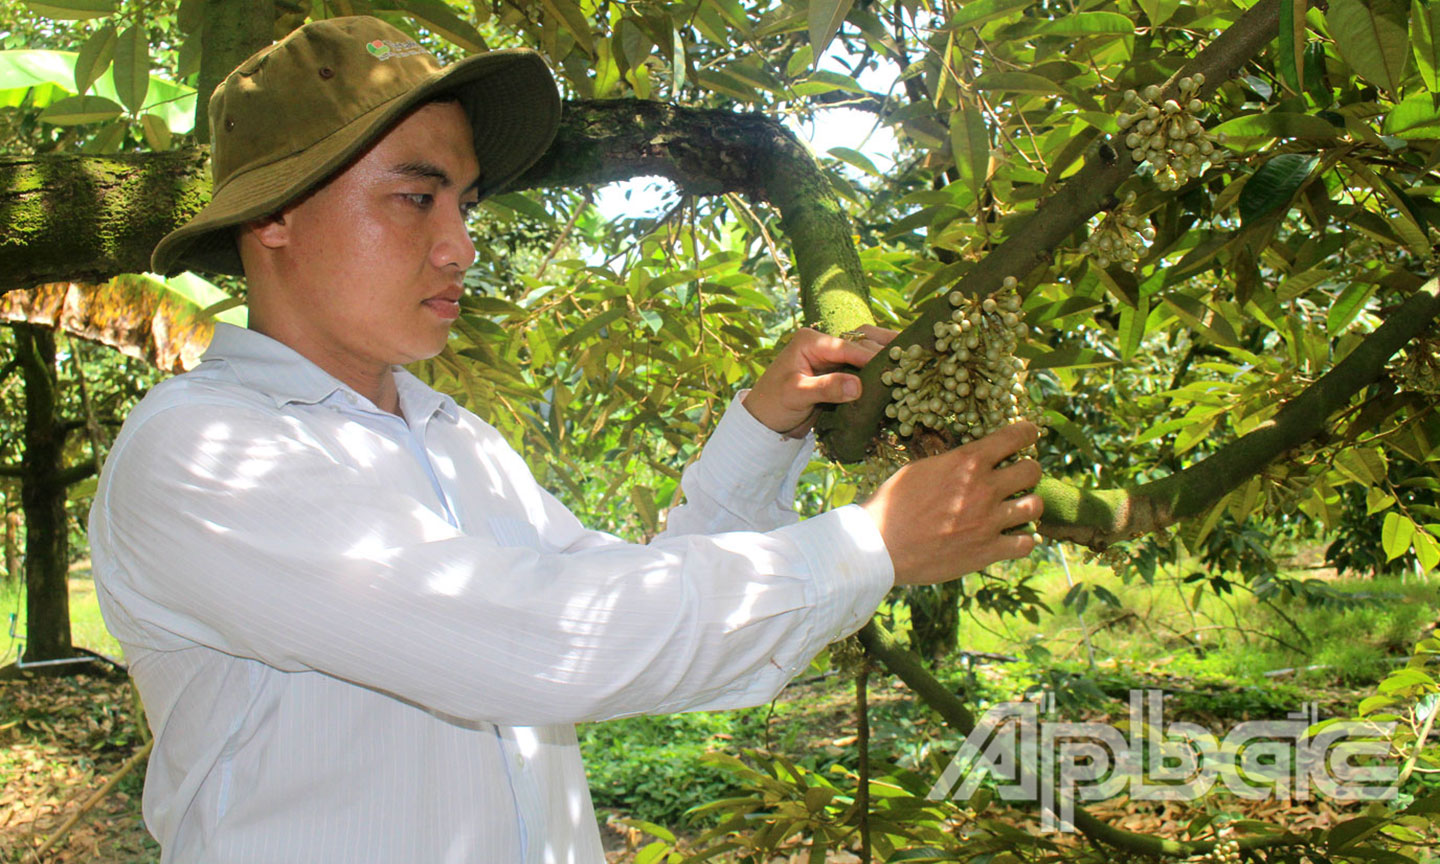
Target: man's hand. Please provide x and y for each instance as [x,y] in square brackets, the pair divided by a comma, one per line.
[788,396]
[946,516]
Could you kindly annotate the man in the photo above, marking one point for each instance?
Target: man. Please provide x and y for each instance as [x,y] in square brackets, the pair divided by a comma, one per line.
[361,630]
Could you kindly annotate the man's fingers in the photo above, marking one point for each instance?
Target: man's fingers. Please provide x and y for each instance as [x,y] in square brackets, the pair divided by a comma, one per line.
[1020,511]
[834,387]
[878,335]
[1004,443]
[1009,546]
[828,352]
[1017,478]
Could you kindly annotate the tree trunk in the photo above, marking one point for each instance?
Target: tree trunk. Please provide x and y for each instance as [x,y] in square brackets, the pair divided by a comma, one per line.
[42,494]
[12,548]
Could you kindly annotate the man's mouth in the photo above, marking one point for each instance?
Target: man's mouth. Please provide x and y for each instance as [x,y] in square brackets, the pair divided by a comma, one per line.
[446,305]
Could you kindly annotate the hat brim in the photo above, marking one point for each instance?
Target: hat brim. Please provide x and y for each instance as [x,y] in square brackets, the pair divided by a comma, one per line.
[514,110]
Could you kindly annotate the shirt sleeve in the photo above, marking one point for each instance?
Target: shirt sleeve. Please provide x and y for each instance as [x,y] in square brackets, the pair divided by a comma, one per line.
[744,480]
[235,532]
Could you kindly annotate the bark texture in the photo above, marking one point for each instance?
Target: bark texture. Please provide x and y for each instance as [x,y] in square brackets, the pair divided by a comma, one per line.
[86,218]
[233,30]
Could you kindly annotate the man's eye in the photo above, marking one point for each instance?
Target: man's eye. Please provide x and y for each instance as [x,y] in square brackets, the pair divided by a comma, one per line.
[467,208]
[419,199]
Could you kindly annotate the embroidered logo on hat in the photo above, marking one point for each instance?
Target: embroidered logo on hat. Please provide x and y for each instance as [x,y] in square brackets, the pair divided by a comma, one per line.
[384,49]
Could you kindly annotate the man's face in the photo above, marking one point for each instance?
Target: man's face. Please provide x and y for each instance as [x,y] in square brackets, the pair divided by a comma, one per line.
[370,265]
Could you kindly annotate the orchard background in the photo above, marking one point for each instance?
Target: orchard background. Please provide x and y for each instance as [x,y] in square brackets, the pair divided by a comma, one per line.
[1217,219]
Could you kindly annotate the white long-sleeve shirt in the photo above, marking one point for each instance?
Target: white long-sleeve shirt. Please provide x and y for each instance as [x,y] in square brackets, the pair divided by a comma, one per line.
[362,638]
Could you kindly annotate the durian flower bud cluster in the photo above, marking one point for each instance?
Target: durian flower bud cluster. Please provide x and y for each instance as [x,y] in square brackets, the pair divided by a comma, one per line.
[1419,368]
[968,382]
[1223,853]
[1122,238]
[1168,134]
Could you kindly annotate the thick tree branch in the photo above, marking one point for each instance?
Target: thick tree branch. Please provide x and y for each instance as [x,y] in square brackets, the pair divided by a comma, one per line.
[1099,518]
[708,152]
[77,472]
[233,30]
[849,430]
[86,218]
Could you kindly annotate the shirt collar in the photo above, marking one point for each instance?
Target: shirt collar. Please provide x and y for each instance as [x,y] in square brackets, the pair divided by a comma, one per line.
[285,375]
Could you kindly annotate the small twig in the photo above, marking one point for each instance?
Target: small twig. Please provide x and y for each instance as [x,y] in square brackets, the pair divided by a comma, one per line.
[564,234]
[94,799]
[862,736]
[1419,746]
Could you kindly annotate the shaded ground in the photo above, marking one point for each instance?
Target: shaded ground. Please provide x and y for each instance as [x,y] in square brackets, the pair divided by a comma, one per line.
[60,740]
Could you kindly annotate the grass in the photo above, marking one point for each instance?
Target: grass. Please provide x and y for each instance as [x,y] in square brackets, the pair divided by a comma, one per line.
[1352,638]
[87,627]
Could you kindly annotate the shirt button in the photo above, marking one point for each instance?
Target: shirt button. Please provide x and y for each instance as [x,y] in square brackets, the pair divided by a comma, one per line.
[519,762]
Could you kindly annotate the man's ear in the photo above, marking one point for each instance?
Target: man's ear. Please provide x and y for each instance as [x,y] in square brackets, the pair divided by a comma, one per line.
[271,231]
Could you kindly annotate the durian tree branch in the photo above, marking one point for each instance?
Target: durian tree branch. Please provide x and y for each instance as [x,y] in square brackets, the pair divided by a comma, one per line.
[86,219]
[78,218]
[1099,518]
[848,430]
[707,152]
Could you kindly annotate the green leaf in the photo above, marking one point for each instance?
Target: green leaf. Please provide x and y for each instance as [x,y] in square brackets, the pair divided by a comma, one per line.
[94,57]
[1347,306]
[1415,118]
[856,159]
[131,73]
[1364,465]
[970,143]
[107,139]
[1373,37]
[1254,129]
[643,499]
[1424,22]
[1396,534]
[438,18]
[1292,45]
[1087,23]
[1018,82]
[569,15]
[978,12]
[81,109]
[1274,185]
[1132,327]
[825,17]
[1376,500]
[26,69]
[72,10]
[1427,550]
[825,81]
[157,134]
[1159,11]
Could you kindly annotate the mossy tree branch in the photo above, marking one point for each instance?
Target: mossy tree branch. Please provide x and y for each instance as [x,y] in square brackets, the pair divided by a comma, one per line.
[86,219]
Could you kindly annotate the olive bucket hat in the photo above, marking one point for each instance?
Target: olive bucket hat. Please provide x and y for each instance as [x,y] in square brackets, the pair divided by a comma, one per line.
[298,111]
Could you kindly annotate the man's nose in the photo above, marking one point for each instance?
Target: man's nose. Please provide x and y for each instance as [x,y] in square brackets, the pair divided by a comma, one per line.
[454,245]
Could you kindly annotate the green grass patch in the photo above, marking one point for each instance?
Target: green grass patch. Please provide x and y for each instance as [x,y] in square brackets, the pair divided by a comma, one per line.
[87,627]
